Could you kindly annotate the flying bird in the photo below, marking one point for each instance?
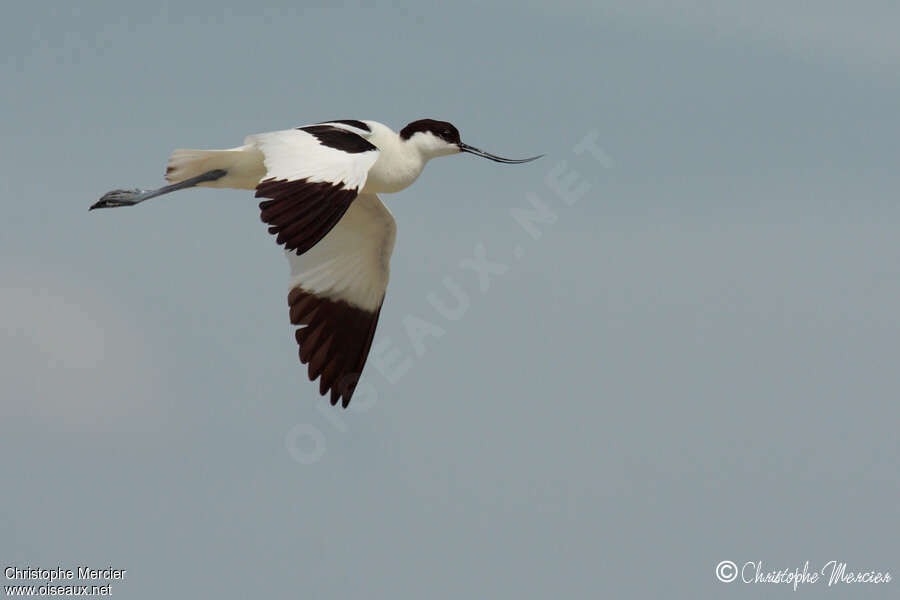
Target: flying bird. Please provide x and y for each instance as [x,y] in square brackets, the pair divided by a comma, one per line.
[320,184]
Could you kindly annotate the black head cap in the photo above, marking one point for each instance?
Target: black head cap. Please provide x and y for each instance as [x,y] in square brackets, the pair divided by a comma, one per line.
[442,129]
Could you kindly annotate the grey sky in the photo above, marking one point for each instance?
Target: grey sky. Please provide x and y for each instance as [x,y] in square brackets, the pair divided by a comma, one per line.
[696,361]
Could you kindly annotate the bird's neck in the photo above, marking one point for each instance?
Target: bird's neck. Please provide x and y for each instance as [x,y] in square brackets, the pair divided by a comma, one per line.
[398,166]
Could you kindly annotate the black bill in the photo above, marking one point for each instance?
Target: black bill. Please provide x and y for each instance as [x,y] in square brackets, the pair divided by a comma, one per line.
[494,157]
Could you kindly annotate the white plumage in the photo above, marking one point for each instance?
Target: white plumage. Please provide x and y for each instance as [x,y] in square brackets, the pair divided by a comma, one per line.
[352,262]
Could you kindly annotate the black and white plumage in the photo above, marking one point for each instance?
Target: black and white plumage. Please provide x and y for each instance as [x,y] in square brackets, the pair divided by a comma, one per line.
[319,186]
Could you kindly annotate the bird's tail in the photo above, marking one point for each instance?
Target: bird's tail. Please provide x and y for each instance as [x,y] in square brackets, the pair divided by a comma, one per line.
[244,166]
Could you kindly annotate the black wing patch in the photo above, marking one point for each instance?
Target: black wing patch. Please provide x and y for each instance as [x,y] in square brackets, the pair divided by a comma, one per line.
[339,139]
[335,341]
[350,122]
[301,213]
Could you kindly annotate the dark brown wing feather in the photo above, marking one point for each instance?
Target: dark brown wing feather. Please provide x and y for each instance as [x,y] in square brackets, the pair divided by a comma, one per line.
[334,342]
[301,213]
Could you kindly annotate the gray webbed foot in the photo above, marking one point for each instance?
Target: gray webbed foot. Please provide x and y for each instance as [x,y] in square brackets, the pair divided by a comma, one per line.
[119,198]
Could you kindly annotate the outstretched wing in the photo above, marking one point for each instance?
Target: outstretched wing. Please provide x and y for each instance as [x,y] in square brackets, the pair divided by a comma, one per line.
[313,173]
[337,288]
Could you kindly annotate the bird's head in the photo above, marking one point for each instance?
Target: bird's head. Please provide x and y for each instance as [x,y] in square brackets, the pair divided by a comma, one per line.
[440,138]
